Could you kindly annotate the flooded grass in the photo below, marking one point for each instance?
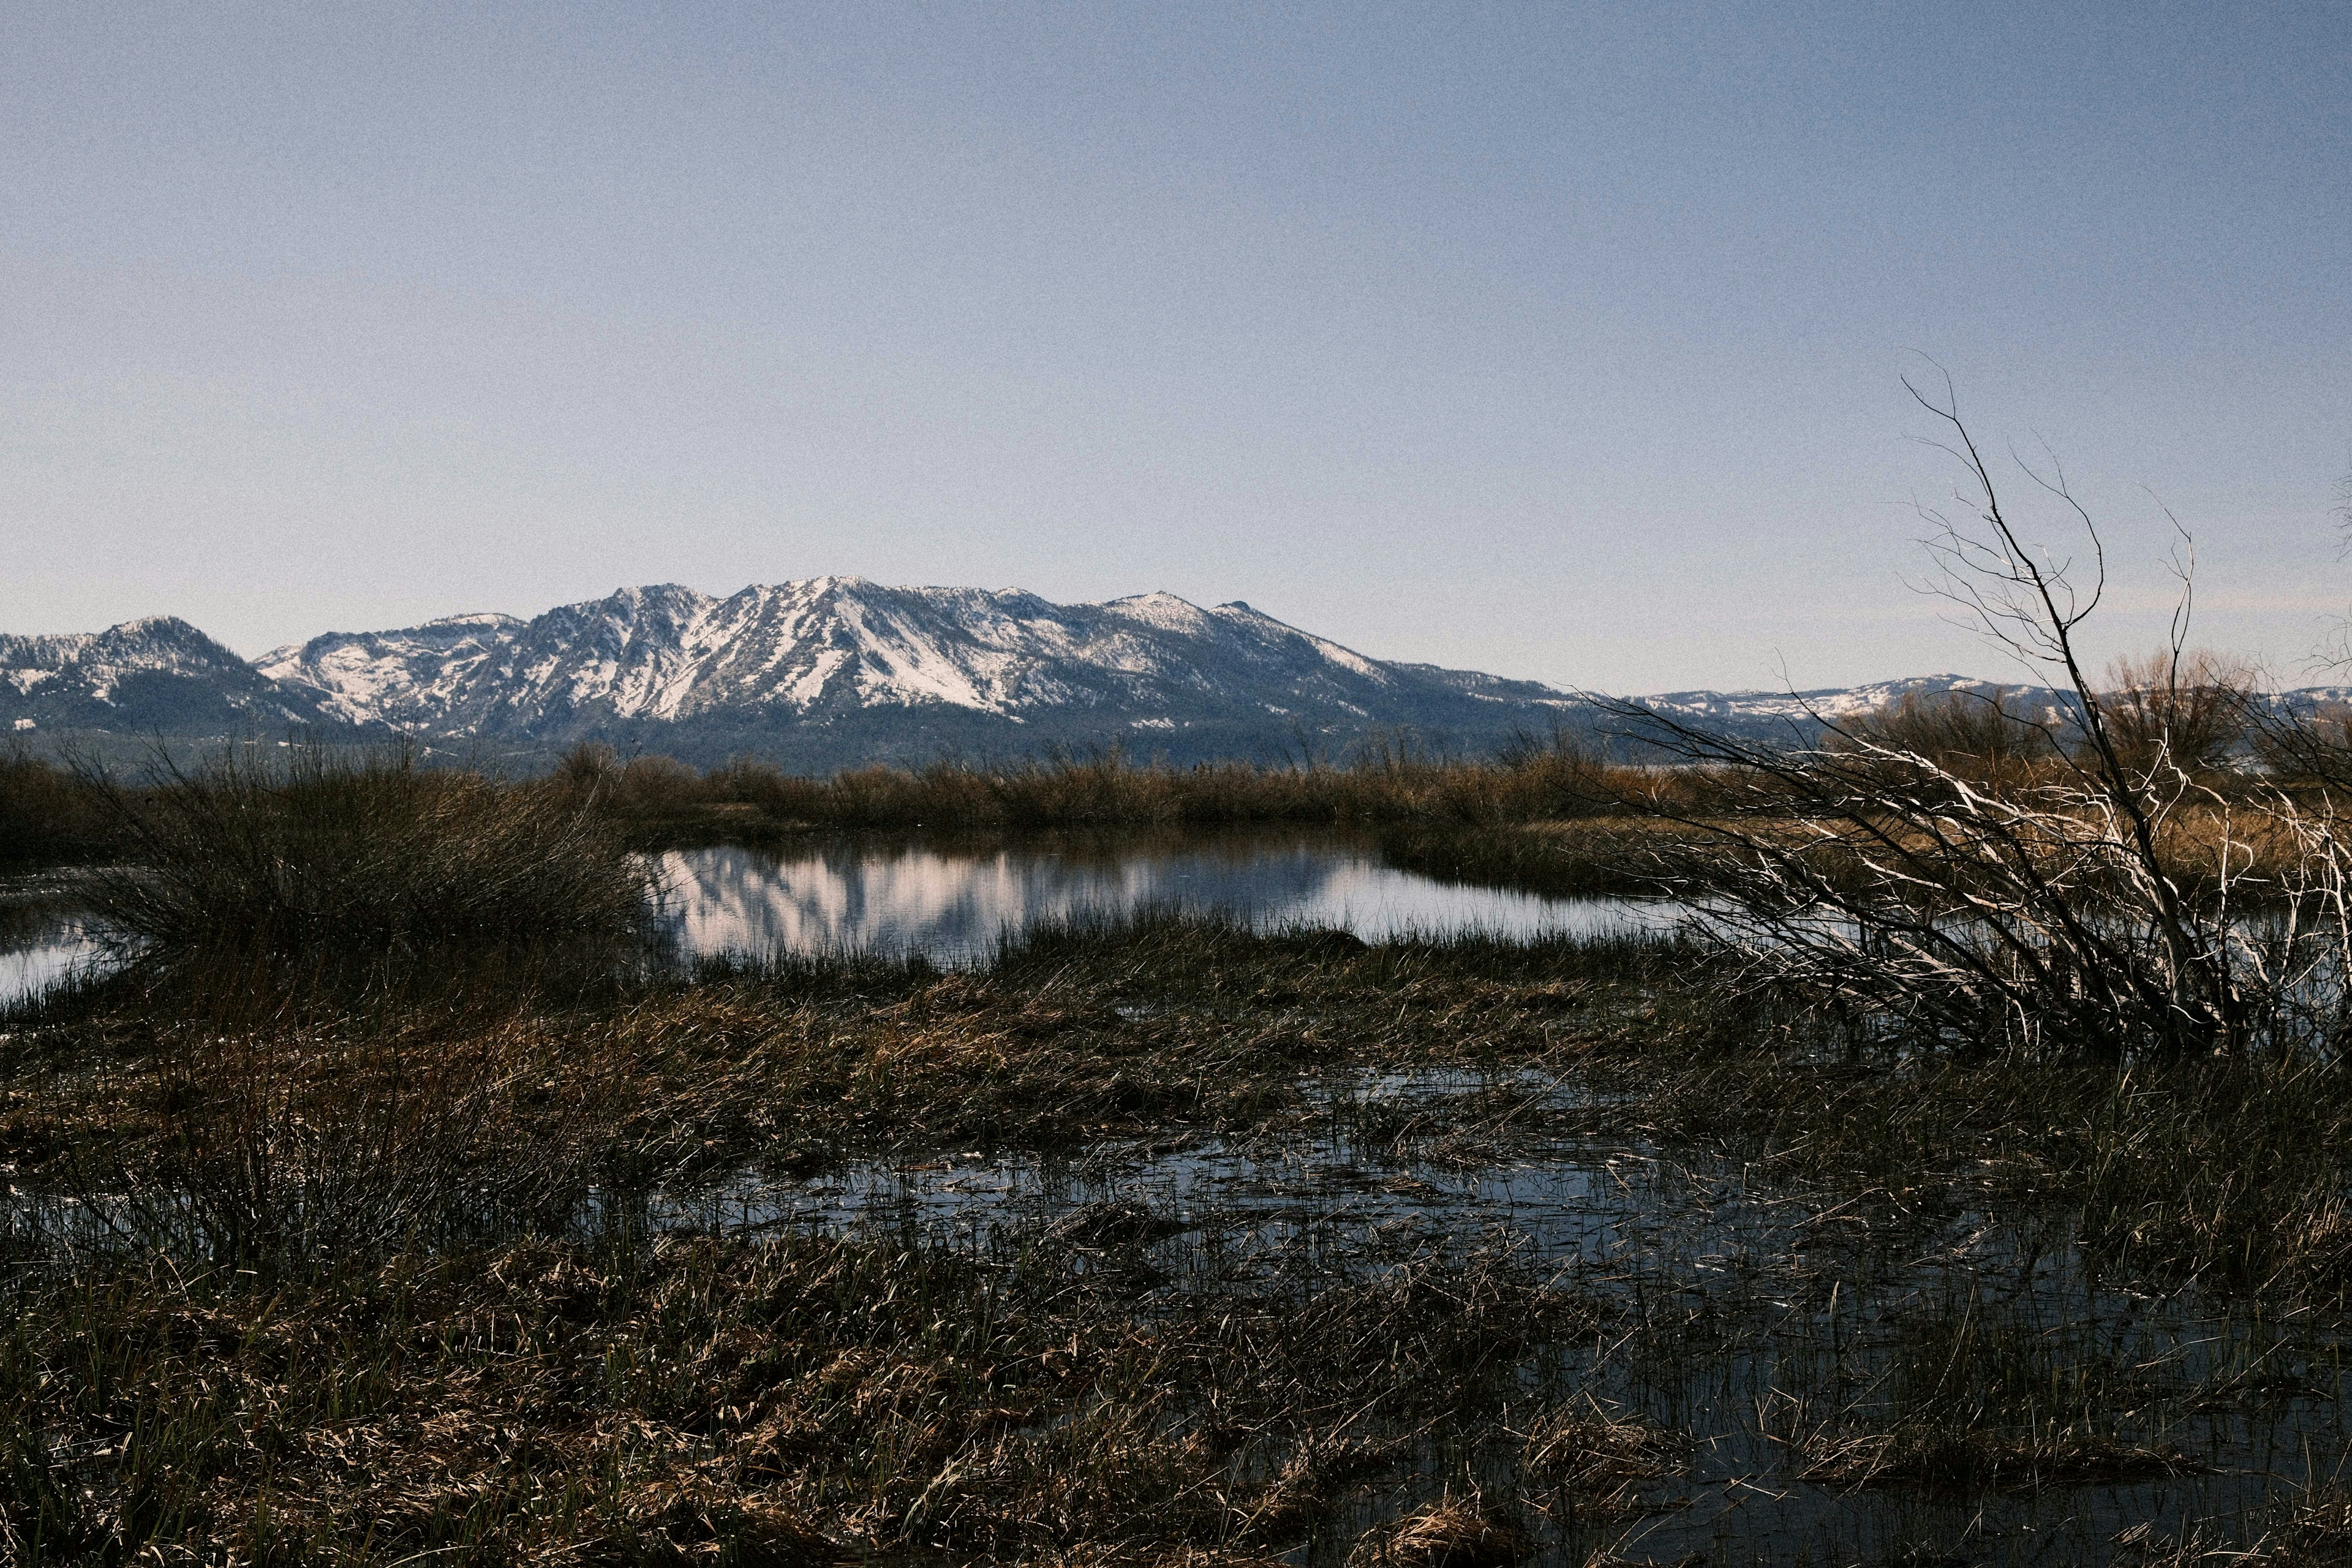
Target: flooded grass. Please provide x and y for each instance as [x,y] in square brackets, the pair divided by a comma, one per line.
[1167,1241]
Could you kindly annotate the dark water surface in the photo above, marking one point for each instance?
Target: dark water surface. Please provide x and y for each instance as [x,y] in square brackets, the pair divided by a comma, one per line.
[41,942]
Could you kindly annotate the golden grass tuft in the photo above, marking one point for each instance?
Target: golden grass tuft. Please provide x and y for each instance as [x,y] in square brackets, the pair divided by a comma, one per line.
[1452,1532]
[1592,1466]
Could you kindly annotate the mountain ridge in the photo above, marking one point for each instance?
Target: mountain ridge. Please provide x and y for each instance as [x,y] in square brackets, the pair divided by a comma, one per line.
[845,653]
[827,672]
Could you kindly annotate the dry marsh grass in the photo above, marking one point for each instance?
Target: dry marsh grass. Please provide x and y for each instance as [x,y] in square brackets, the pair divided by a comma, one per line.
[1453,1533]
[1382,782]
[307,856]
[1972,1403]
[803,1399]
[1077,1033]
[317,1336]
[2314,1533]
[2233,1173]
[2222,1170]
[1594,1466]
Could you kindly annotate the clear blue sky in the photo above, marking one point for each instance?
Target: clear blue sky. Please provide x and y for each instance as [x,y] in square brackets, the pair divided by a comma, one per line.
[1555,340]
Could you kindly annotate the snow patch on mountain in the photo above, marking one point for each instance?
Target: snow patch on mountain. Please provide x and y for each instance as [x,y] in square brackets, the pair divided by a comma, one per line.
[1829,702]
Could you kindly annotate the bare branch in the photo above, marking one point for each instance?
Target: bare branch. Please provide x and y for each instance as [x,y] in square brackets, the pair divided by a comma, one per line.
[2059,881]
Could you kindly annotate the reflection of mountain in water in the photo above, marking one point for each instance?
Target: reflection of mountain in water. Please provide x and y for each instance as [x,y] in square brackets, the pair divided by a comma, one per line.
[954,906]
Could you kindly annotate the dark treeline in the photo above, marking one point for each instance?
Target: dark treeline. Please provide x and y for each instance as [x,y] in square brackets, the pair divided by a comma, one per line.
[51,816]
[2200,717]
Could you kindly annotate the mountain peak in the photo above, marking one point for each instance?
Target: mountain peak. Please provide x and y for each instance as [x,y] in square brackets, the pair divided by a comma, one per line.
[775,666]
[156,674]
[144,625]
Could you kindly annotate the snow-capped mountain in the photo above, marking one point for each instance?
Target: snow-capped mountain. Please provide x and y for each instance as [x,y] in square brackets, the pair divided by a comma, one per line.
[837,672]
[159,675]
[842,669]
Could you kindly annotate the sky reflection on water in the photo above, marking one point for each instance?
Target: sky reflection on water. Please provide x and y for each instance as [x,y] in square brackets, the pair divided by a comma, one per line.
[952,905]
[34,957]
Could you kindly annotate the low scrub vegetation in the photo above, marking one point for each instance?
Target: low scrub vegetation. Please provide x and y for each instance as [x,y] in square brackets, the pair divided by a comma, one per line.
[1565,776]
[305,857]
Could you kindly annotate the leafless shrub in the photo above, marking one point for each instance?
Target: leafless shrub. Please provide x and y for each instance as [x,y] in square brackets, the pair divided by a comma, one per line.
[2109,900]
[2303,747]
[2189,709]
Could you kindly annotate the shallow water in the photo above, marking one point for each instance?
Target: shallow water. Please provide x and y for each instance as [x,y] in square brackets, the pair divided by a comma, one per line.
[954,904]
[37,952]
[1730,1315]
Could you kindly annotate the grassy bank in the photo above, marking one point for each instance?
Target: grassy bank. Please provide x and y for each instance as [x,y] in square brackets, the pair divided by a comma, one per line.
[1554,817]
[1559,819]
[52,815]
